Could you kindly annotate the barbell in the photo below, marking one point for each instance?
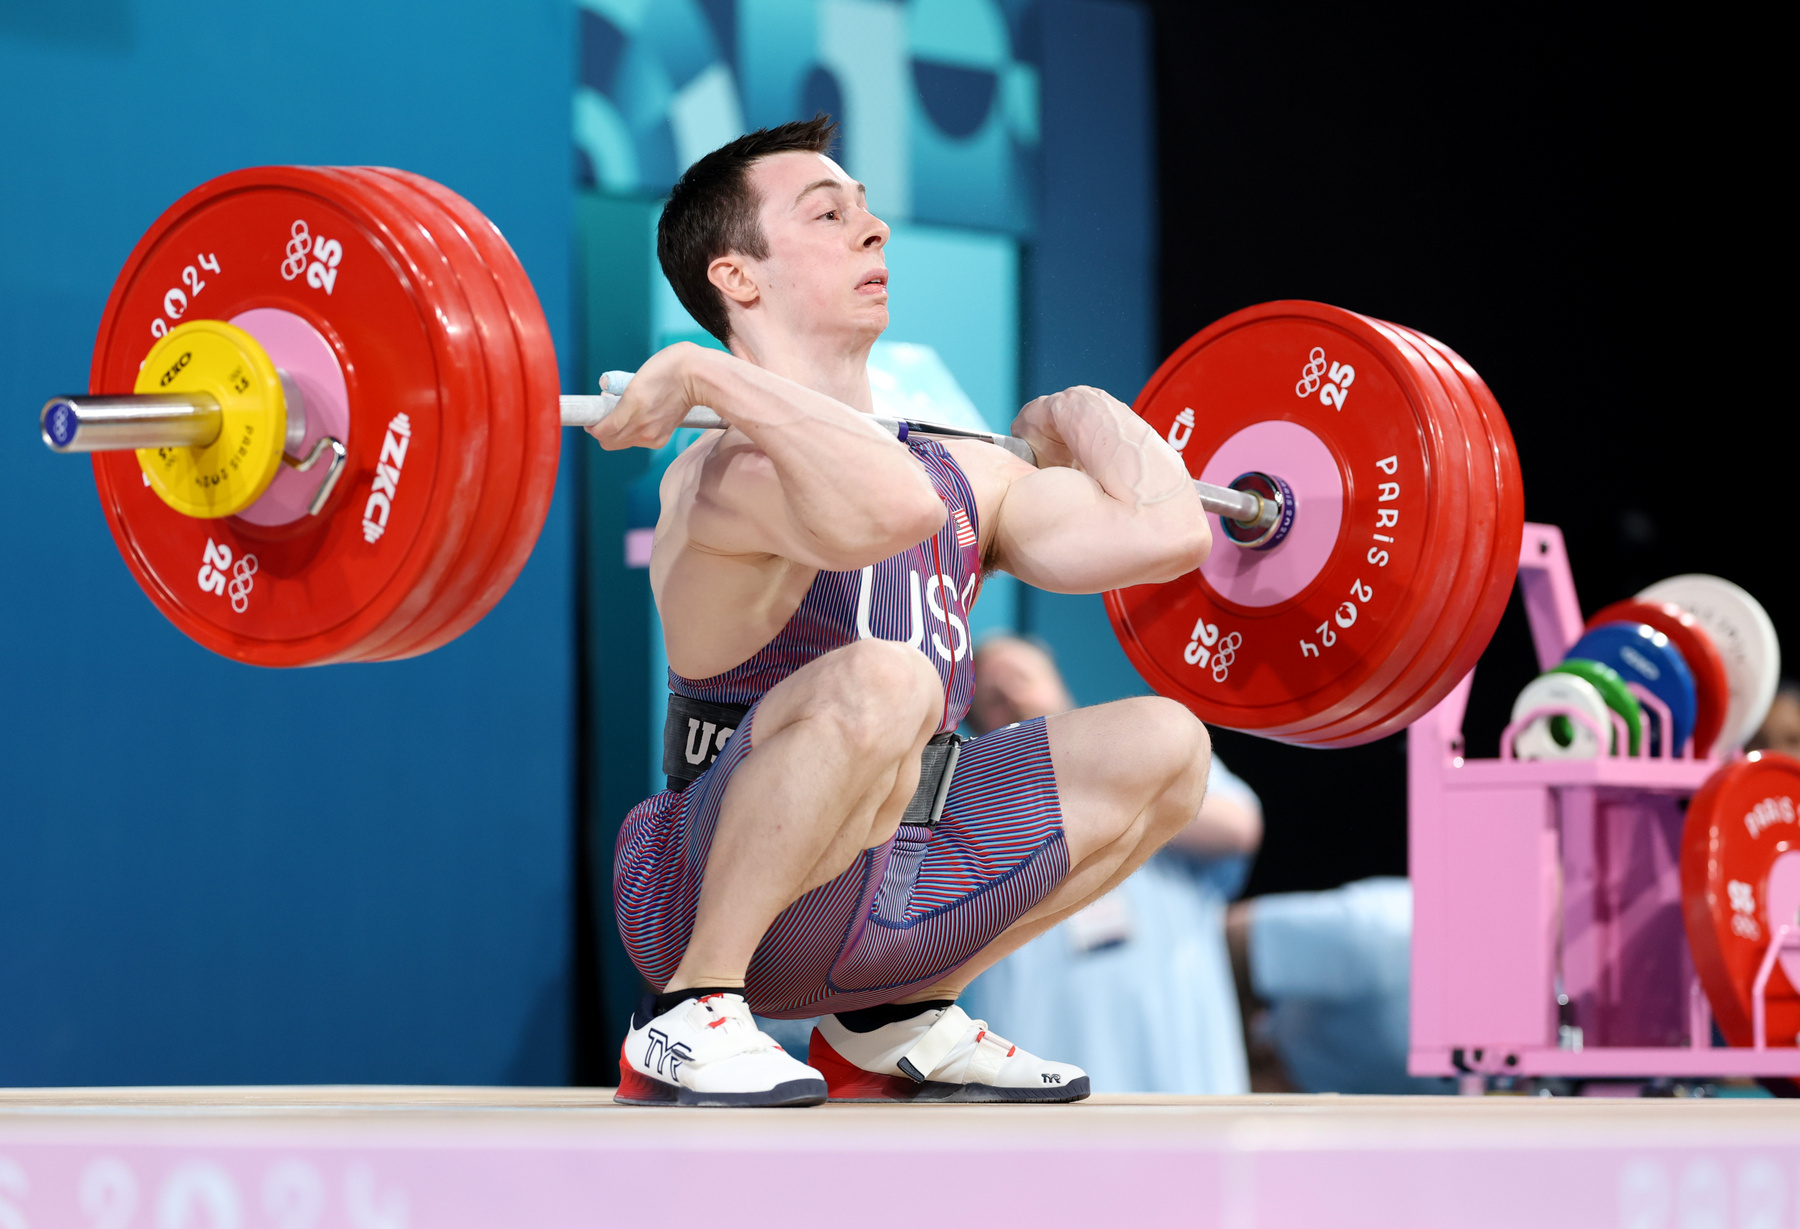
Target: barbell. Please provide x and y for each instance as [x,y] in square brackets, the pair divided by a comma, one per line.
[373,322]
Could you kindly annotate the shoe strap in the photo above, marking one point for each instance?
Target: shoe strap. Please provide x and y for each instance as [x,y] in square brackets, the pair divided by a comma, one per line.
[935,1045]
[991,1051]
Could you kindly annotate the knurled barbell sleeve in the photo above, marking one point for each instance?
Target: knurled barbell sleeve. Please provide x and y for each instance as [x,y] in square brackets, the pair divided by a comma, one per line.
[141,420]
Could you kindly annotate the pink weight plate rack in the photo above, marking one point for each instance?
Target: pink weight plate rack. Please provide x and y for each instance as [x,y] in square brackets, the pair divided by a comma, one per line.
[1547,924]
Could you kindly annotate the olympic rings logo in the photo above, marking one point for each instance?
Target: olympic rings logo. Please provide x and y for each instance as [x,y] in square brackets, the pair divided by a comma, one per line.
[241,583]
[1310,375]
[1205,649]
[1224,655]
[298,249]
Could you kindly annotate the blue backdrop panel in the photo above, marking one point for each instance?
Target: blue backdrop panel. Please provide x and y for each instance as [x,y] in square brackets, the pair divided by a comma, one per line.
[1090,309]
[210,872]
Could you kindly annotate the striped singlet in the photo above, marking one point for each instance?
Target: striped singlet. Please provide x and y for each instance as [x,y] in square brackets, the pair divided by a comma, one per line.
[912,909]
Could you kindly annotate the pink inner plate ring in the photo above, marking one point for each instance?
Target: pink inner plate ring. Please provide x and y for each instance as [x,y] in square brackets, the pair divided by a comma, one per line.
[297,349]
[1301,459]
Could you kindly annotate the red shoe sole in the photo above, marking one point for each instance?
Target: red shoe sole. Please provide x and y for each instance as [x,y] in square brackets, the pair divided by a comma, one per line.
[636,1088]
[845,1081]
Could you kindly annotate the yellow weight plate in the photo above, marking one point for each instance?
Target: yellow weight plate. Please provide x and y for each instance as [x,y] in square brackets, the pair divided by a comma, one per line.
[231,473]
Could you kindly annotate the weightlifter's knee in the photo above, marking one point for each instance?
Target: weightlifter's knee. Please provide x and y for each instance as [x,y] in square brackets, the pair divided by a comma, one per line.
[878,697]
[1176,751]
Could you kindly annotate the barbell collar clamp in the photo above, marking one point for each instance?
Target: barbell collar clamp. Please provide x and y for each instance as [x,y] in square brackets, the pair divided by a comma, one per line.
[327,484]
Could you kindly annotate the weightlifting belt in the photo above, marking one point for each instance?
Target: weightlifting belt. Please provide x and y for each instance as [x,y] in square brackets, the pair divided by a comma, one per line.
[695,731]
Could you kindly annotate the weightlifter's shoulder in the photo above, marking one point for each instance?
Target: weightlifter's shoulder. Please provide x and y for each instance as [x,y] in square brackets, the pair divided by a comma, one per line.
[696,515]
[990,470]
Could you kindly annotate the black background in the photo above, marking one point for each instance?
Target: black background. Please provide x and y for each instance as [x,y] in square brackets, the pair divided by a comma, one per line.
[1584,208]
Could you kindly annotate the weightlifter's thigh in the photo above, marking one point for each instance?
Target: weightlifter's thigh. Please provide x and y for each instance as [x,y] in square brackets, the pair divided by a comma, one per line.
[835,747]
[870,696]
[1127,773]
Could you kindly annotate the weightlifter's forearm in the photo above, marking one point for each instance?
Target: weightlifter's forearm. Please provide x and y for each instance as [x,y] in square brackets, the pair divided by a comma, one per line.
[848,482]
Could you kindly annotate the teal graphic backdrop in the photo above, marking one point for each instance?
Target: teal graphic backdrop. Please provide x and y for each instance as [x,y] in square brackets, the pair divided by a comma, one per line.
[938,102]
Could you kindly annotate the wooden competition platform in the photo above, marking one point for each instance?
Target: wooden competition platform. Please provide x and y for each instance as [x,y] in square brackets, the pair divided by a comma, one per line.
[457,1158]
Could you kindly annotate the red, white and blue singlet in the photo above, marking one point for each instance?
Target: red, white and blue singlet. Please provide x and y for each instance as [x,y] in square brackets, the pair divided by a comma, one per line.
[908,911]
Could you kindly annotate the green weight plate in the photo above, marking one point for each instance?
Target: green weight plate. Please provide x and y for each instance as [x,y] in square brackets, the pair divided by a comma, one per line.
[1612,689]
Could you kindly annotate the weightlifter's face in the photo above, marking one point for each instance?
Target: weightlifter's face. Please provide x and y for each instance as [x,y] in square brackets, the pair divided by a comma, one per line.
[825,277]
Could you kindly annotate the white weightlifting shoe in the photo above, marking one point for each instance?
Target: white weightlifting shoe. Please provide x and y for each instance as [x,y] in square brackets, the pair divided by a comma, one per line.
[708,1051]
[940,1055]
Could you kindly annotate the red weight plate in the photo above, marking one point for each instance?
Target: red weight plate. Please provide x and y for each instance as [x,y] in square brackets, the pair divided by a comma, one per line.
[441,286]
[1510,502]
[1449,623]
[1313,629]
[542,436]
[320,586]
[1492,442]
[1740,876]
[1696,648]
[410,210]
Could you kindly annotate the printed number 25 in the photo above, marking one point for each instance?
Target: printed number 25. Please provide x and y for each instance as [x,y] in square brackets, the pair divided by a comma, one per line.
[1335,393]
[215,568]
[322,273]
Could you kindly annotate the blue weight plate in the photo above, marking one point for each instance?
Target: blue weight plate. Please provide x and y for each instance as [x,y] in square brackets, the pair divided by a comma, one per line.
[1643,655]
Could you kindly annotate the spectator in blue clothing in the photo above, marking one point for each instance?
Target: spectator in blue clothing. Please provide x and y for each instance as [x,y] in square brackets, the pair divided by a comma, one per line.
[1324,979]
[1137,987]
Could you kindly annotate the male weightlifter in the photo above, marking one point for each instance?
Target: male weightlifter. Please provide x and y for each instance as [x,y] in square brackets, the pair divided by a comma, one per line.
[826,845]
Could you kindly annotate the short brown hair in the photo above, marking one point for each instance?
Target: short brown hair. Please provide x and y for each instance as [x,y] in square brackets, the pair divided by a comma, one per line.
[712,213]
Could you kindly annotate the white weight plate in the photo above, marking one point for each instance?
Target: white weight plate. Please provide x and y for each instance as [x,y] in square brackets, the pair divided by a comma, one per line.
[1537,742]
[1745,637]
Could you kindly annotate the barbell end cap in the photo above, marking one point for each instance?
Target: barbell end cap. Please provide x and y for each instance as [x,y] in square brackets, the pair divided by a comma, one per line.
[1275,512]
[60,424]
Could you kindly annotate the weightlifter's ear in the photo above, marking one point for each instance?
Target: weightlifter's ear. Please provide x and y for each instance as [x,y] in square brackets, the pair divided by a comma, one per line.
[731,274]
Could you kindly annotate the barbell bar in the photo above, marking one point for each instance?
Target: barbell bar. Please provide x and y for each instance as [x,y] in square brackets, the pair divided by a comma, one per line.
[161,420]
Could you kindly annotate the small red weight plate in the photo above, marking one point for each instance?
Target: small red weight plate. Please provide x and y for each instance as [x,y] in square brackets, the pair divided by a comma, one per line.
[1311,630]
[426,223]
[1503,515]
[319,585]
[1740,877]
[542,436]
[1470,563]
[1696,648]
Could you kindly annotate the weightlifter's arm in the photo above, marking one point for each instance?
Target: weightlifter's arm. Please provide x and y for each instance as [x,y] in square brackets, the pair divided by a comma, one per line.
[1112,504]
[800,475]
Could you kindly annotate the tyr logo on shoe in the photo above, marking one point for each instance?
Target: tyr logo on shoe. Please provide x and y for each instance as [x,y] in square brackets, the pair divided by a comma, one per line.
[661,1051]
[1051,1077]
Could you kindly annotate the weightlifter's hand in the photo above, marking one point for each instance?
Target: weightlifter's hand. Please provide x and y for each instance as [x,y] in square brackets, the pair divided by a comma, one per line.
[658,398]
[1050,423]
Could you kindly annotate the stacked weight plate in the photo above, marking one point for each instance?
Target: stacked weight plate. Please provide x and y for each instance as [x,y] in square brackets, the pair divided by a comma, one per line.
[1701,645]
[443,359]
[1409,514]
[1740,884]
[1712,687]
